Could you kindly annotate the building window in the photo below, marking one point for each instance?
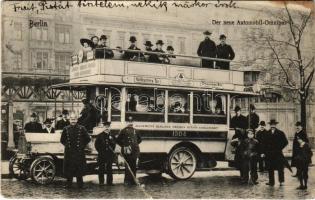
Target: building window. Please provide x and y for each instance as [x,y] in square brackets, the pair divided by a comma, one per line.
[181,45]
[169,40]
[63,34]
[62,61]
[18,60]
[17,35]
[121,40]
[39,33]
[40,60]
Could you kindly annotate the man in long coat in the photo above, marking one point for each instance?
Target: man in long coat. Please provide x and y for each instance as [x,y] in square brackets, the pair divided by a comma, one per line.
[207,48]
[129,141]
[276,141]
[261,135]
[33,126]
[89,115]
[64,121]
[74,138]
[224,51]
[105,145]
[239,123]
[300,133]
[253,118]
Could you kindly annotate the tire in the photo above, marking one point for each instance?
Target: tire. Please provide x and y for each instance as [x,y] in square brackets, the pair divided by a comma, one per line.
[18,168]
[182,163]
[43,170]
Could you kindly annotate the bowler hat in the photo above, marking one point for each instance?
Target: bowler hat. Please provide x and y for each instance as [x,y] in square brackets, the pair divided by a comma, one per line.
[48,121]
[273,122]
[169,48]
[84,40]
[65,112]
[237,108]
[160,42]
[33,115]
[222,36]
[132,39]
[298,123]
[103,37]
[262,123]
[207,32]
[148,43]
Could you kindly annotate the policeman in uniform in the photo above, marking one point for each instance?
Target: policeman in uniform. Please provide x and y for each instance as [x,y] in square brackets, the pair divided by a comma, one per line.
[74,138]
[129,141]
[33,126]
[64,121]
[224,51]
[105,146]
[207,48]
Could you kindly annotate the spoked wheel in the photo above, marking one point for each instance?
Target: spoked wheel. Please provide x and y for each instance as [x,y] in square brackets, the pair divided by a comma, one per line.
[182,163]
[18,168]
[43,170]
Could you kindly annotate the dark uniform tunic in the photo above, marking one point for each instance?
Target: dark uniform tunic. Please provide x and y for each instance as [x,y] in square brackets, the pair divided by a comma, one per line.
[224,52]
[207,48]
[129,138]
[133,55]
[100,51]
[105,146]
[89,117]
[33,127]
[74,138]
[296,146]
[154,58]
[275,143]
[61,124]
[253,120]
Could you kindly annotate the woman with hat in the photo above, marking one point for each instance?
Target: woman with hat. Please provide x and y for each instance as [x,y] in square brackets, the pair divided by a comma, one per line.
[156,58]
[207,48]
[48,128]
[130,55]
[86,48]
[300,133]
[276,141]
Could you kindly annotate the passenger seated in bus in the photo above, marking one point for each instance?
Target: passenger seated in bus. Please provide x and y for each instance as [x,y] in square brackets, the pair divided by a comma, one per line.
[135,56]
[101,51]
[177,108]
[95,41]
[86,48]
[218,110]
[169,58]
[48,126]
[158,58]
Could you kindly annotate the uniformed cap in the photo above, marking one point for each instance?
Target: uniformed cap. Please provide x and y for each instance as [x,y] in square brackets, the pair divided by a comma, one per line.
[169,48]
[33,115]
[237,108]
[148,43]
[65,112]
[298,123]
[222,37]
[207,32]
[132,39]
[103,37]
[262,123]
[159,42]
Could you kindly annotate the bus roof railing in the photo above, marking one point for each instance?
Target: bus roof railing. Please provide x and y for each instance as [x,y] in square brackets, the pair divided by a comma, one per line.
[156,53]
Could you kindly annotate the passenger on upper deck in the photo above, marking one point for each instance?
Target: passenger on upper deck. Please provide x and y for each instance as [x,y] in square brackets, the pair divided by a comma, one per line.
[95,41]
[87,47]
[207,48]
[224,51]
[100,50]
[158,58]
[148,46]
[135,56]
[169,58]
[48,128]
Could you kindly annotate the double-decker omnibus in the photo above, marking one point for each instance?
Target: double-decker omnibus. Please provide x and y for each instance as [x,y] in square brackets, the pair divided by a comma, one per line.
[182,111]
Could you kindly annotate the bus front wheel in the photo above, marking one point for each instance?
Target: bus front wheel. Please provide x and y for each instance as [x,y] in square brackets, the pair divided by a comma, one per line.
[182,163]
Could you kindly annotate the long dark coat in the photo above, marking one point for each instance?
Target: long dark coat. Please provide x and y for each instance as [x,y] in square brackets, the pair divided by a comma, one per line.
[240,147]
[105,146]
[296,146]
[89,117]
[33,127]
[261,136]
[129,137]
[61,124]
[224,52]
[239,122]
[275,143]
[154,58]
[74,138]
[254,120]
[207,48]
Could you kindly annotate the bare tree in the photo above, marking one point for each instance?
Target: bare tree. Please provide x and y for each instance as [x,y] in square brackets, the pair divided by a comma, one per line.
[287,53]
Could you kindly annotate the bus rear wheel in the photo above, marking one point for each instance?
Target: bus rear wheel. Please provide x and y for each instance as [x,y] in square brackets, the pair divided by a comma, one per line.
[43,170]
[182,163]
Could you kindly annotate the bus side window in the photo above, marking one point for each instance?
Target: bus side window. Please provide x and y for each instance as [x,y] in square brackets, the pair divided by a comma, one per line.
[178,107]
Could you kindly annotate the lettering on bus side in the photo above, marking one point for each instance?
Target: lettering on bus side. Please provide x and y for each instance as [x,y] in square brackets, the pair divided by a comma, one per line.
[179,134]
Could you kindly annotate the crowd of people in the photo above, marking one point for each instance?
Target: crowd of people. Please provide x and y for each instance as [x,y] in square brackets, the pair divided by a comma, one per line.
[262,147]
[96,46]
